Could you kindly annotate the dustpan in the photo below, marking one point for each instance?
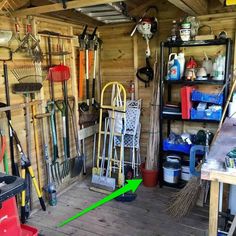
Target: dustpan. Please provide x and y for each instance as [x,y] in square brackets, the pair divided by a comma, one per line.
[59,73]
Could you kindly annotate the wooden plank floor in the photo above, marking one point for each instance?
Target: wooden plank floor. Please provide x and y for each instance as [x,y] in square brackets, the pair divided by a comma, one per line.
[143,217]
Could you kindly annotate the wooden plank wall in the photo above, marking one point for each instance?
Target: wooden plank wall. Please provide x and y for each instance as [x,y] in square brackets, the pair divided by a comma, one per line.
[118,59]
[18,116]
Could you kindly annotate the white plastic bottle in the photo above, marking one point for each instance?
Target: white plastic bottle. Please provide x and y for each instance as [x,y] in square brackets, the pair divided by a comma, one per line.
[170,63]
[181,60]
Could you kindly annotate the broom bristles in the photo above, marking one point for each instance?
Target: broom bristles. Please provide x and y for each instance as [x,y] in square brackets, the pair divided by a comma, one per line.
[183,201]
[26,87]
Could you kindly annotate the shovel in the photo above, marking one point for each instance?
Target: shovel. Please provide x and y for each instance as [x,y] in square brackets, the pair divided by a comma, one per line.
[77,162]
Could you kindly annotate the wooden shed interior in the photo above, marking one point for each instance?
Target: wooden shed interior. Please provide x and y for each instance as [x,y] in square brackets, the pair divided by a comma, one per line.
[39,102]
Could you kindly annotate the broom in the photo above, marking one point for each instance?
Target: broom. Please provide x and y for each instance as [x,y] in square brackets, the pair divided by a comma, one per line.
[181,203]
[152,149]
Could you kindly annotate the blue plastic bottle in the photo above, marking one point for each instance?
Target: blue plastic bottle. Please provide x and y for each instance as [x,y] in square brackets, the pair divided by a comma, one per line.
[174,71]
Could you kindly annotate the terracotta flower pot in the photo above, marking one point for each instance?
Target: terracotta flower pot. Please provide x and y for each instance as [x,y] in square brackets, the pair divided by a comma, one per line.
[150,177]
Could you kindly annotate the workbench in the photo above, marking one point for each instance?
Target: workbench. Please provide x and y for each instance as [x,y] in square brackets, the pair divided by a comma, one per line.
[224,143]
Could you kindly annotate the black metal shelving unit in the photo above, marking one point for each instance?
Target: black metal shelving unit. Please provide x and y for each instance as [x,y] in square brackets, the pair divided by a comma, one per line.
[167,85]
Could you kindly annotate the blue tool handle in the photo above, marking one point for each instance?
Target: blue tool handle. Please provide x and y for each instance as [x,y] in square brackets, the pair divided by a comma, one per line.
[193,151]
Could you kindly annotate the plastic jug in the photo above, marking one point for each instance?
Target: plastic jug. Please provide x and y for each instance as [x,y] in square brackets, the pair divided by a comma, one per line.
[173,67]
[174,72]
[207,64]
[181,60]
[172,56]
[218,68]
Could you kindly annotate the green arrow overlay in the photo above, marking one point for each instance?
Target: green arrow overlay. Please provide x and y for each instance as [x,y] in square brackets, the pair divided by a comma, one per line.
[132,185]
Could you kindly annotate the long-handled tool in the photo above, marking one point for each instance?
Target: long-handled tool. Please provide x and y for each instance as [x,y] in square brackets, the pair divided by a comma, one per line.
[14,166]
[65,75]
[52,95]
[65,164]
[61,73]
[50,187]
[55,165]
[84,43]
[76,162]
[26,89]
[95,104]
[3,154]
[85,155]
[37,151]
[26,166]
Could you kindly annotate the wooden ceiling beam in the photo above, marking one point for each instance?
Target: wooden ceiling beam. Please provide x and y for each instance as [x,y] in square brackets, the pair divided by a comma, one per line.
[182,6]
[198,6]
[75,16]
[58,7]
[222,2]
[142,7]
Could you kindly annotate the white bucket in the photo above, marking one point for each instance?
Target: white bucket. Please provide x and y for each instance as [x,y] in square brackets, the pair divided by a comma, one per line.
[171,175]
[185,173]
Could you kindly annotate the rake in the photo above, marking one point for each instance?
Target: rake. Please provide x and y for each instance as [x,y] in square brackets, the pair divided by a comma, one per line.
[28,74]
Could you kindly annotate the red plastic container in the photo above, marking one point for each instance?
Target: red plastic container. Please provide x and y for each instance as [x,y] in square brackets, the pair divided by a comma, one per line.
[150,177]
[186,103]
[9,219]
[10,223]
[27,230]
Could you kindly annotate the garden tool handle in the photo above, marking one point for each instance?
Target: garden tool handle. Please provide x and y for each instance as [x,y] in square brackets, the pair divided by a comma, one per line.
[3,146]
[94,33]
[148,51]
[61,106]
[94,73]
[53,128]
[42,115]
[82,36]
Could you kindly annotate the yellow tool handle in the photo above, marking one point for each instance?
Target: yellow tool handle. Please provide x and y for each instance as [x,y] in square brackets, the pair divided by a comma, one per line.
[30,169]
[23,195]
[37,148]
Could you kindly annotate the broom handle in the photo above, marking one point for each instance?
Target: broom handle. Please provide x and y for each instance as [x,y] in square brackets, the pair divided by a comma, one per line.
[224,111]
[14,166]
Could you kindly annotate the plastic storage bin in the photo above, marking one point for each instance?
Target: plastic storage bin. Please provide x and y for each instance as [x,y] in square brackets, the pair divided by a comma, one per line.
[184,148]
[206,115]
[205,97]
[27,230]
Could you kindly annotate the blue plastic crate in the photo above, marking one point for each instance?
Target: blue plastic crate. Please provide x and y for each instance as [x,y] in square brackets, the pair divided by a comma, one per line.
[205,115]
[205,97]
[184,148]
